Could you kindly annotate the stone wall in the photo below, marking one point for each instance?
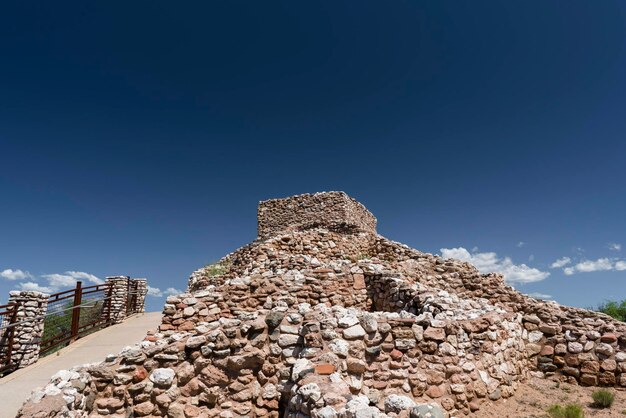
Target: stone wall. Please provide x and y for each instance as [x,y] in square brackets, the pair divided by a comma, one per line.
[564,343]
[331,210]
[32,307]
[119,297]
[272,362]
[332,274]
[142,291]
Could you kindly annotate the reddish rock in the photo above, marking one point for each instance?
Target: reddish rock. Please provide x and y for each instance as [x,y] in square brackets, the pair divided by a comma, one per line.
[356,366]
[608,365]
[606,379]
[591,367]
[547,351]
[140,374]
[572,361]
[436,391]
[396,354]
[110,403]
[191,411]
[324,369]
[212,376]
[359,281]
[588,380]
[474,406]
[186,326]
[143,409]
[549,329]
[163,400]
[437,334]
[608,338]
[380,385]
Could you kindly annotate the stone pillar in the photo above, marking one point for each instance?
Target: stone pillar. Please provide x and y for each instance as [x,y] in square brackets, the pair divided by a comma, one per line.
[31,311]
[119,297]
[142,290]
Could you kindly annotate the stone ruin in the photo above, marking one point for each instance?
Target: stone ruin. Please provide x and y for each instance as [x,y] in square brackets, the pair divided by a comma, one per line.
[322,317]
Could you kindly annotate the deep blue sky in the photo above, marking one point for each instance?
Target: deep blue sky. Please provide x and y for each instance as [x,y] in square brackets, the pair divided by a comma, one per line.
[137,137]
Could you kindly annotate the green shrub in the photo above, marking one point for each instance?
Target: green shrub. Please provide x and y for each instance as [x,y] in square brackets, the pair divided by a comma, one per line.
[614,309]
[216,269]
[567,411]
[602,398]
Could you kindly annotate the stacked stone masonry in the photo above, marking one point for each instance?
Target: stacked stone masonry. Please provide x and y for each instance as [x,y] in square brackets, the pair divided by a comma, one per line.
[119,297]
[333,210]
[142,291]
[330,322]
[31,308]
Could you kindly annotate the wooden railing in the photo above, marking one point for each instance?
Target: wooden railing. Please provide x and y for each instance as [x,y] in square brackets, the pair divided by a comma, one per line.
[8,319]
[74,313]
[34,324]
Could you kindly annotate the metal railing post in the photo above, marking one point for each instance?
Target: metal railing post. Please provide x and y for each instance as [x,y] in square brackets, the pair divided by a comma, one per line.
[76,311]
[109,300]
[11,332]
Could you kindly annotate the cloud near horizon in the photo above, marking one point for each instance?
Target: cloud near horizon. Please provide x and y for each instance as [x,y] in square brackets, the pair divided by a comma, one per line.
[489,262]
[58,281]
[561,262]
[601,264]
[156,292]
[51,283]
[32,286]
[539,295]
[18,274]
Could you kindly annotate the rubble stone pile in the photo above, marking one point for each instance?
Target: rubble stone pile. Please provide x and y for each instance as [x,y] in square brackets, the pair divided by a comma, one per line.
[322,317]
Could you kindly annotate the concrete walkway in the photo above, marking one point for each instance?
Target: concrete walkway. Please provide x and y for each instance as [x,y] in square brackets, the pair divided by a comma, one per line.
[17,386]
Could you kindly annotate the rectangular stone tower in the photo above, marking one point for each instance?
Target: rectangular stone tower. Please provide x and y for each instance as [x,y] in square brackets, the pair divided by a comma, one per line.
[332,210]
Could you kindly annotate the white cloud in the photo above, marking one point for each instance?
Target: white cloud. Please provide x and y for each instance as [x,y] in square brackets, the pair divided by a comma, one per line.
[538,295]
[614,246]
[85,276]
[520,244]
[588,266]
[10,274]
[59,280]
[490,262]
[561,262]
[531,257]
[172,291]
[56,282]
[601,264]
[154,291]
[30,286]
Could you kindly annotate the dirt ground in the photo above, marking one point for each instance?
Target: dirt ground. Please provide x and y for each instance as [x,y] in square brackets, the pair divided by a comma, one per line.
[533,398]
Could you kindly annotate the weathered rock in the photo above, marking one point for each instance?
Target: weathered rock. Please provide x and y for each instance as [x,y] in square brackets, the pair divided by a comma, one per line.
[162,377]
[427,411]
[397,403]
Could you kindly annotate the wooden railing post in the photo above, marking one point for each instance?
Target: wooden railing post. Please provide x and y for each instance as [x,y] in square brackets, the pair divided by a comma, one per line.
[76,311]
